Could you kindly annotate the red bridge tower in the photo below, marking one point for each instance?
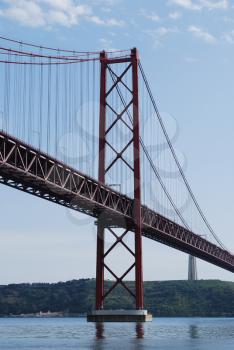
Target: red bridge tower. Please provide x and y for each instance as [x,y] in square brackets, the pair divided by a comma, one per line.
[138,314]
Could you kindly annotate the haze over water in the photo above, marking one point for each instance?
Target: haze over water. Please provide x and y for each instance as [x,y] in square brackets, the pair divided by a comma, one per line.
[76,333]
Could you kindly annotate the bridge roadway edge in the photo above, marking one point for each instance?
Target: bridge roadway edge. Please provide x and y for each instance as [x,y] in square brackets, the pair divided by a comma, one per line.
[15,176]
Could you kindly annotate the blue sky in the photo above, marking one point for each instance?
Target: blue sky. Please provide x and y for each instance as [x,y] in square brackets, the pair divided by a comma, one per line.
[187,50]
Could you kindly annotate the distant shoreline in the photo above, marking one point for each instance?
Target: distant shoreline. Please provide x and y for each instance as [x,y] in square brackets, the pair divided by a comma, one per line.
[84,316]
[202,298]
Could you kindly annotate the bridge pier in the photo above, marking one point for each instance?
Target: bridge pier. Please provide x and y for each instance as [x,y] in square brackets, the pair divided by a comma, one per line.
[119,316]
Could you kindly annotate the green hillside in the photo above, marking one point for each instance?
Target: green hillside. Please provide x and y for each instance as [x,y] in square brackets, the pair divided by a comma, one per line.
[167,298]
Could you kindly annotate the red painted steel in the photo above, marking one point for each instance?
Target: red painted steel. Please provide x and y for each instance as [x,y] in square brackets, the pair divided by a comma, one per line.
[100,266]
[137,183]
[102,119]
[132,68]
[28,169]
[101,178]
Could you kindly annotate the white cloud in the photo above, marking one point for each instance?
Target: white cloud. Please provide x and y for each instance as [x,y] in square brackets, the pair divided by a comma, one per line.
[189,59]
[228,19]
[106,44]
[150,15]
[175,15]
[229,37]
[202,4]
[161,31]
[106,2]
[105,41]
[25,12]
[66,5]
[187,4]
[59,17]
[215,5]
[106,9]
[104,5]
[111,22]
[38,13]
[203,35]
[158,33]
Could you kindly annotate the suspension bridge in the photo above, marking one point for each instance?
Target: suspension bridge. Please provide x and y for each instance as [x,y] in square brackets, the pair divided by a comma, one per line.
[83,130]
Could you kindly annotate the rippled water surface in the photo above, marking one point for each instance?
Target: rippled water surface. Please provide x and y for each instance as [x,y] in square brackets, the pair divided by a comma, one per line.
[76,333]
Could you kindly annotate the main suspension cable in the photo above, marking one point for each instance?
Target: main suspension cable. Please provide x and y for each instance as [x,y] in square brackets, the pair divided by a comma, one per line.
[177,161]
[150,159]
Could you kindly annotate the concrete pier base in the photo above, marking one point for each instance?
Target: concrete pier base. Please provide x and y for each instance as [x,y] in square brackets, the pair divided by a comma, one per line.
[119,316]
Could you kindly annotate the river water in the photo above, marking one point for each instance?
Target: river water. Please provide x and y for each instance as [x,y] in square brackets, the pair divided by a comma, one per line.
[76,333]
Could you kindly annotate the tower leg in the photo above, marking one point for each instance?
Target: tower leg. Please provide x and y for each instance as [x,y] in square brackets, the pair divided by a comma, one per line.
[137,183]
[100,267]
[101,178]
[192,268]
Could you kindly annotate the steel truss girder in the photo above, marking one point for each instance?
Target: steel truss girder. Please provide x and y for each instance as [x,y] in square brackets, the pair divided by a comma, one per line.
[30,170]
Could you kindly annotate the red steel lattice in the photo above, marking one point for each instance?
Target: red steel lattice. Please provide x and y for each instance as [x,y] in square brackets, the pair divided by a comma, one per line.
[29,170]
[106,66]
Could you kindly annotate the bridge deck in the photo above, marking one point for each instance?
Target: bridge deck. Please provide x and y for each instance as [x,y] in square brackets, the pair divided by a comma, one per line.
[28,169]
